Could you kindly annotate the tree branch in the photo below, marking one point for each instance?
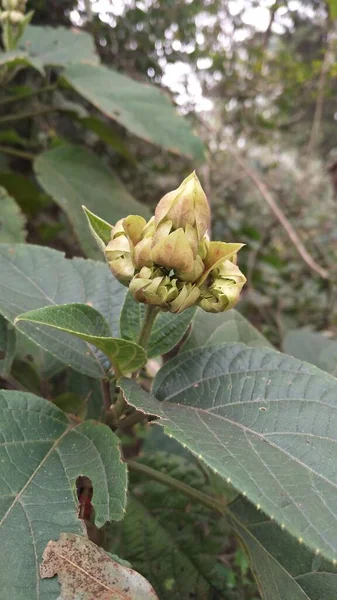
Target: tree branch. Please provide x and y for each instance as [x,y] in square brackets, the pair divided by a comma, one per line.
[287,226]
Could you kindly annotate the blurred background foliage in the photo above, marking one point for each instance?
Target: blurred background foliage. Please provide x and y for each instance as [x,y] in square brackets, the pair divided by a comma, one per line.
[255,83]
[256,77]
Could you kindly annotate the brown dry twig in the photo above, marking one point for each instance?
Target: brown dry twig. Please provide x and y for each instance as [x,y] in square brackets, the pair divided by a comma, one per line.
[287,226]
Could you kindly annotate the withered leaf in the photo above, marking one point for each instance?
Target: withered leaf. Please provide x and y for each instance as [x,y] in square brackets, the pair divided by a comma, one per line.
[85,571]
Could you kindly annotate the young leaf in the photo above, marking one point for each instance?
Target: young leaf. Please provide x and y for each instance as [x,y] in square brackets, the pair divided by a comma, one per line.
[42,454]
[7,346]
[284,568]
[207,328]
[84,570]
[141,108]
[89,325]
[264,421]
[73,176]
[166,332]
[34,277]
[100,229]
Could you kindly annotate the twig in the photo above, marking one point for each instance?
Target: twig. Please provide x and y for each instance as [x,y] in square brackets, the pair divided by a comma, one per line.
[30,94]
[105,385]
[28,115]
[18,153]
[287,226]
[326,63]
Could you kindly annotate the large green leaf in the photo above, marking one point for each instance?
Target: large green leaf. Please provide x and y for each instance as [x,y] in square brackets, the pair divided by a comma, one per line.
[7,346]
[166,332]
[73,176]
[89,325]
[207,328]
[55,46]
[42,454]
[34,277]
[12,221]
[89,390]
[141,108]
[312,347]
[264,421]
[284,569]
[174,543]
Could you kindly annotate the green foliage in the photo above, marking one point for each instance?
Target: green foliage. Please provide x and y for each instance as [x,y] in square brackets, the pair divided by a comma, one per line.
[42,456]
[43,277]
[313,348]
[176,545]
[12,224]
[88,324]
[166,333]
[7,346]
[70,174]
[238,408]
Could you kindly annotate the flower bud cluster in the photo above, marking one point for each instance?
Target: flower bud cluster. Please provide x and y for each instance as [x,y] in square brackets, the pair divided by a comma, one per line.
[170,261]
[13,11]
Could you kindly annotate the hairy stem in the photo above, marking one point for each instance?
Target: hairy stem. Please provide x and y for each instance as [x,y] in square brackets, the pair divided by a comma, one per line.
[150,316]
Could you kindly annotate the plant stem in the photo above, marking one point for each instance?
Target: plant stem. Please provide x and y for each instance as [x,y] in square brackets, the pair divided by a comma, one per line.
[151,313]
[18,153]
[180,486]
[105,385]
[28,115]
[150,316]
[30,94]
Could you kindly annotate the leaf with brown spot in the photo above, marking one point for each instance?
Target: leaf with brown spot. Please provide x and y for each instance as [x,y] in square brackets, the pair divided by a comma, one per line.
[86,571]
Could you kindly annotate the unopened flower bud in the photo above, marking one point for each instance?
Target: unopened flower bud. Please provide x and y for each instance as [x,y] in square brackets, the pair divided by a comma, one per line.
[118,253]
[16,17]
[188,296]
[173,252]
[223,292]
[185,206]
[151,286]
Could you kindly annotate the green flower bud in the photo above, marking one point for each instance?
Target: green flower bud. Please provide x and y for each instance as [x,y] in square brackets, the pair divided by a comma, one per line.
[223,292]
[188,296]
[118,253]
[216,254]
[173,252]
[16,17]
[194,274]
[185,206]
[151,286]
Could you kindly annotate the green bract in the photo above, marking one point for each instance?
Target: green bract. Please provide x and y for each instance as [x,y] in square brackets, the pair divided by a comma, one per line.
[169,261]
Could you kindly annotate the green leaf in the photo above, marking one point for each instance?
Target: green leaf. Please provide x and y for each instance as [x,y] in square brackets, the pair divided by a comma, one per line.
[109,136]
[230,326]
[85,571]
[313,348]
[166,333]
[284,569]
[73,176]
[90,392]
[142,109]
[43,363]
[100,229]
[57,46]
[12,221]
[89,325]
[33,277]
[265,422]
[7,346]
[25,192]
[174,543]
[42,454]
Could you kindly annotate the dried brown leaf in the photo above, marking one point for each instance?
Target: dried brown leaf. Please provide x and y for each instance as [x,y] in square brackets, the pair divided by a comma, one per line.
[85,570]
